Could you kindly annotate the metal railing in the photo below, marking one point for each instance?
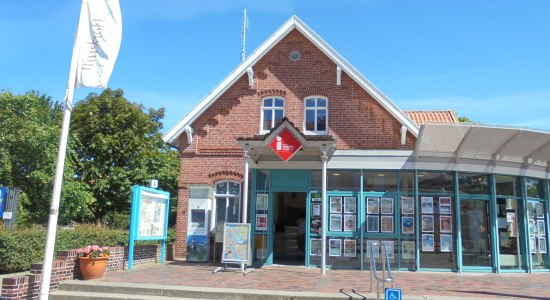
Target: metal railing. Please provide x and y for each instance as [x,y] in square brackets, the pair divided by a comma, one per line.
[385,260]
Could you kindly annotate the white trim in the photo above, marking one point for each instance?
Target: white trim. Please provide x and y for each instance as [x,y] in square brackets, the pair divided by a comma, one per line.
[272,108]
[315,109]
[172,137]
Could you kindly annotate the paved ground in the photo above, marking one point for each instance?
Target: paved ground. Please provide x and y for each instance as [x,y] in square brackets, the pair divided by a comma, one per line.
[466,285]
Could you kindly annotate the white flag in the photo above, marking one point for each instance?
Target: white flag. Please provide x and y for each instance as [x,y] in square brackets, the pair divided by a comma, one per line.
[97,42]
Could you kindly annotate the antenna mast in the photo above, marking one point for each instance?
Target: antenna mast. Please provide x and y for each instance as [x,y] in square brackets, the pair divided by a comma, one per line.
[243,35]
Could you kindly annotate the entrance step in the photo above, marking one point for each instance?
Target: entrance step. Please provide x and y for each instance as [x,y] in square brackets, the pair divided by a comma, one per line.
[95,290]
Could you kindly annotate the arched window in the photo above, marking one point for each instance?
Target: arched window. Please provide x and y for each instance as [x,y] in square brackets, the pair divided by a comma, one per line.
[228,201]
[316,115]
[273,111]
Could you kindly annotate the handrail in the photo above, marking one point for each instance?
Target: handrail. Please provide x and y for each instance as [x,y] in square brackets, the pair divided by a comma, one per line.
[374,274]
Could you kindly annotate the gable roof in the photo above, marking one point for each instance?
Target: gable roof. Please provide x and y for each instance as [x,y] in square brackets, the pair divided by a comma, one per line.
[440,116]
[172,137]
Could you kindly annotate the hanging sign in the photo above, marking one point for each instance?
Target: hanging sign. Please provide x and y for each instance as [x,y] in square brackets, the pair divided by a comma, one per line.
[285,144]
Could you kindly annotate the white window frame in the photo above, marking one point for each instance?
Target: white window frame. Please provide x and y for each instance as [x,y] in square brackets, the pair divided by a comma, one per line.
[315,109]
[272,108]
[237,198]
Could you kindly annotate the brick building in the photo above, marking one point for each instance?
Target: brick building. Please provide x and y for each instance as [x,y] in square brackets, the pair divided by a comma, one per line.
[422,189]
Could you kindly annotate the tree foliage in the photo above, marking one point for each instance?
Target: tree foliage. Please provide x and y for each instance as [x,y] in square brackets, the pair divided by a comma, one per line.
[119,145]
[113,144]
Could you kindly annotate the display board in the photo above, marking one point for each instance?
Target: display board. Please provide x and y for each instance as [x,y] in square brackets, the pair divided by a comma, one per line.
[3,196]
[148,218]
[236,243]
[197,230]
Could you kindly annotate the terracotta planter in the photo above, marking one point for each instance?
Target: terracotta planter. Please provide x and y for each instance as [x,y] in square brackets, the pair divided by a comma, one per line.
[93,268]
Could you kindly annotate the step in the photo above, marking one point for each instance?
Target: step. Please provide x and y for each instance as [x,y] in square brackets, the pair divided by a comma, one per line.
[73,295]
[118,290]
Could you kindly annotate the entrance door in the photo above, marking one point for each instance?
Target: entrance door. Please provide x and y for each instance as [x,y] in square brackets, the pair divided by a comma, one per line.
[289,211]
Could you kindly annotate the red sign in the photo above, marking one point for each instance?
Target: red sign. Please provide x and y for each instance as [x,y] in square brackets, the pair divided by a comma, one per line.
[285,144]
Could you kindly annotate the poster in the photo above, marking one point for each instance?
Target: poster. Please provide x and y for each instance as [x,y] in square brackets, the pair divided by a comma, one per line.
[386,224]
[316,210]
[407,249]
[335,247]
[446,242]
[374,248]
[372,206]
[349,223]
[407,205]
[350,248]
[427,223]
[335,205]
[198,222]
[445,224]
[315,247]
[152,215]
[445,206]
[261,222]
[235,243]
[197,248]
[386,206]
[335,222]
[262,202]
[407,225]
[372,224]
[428,242]
[350,206]
[389,246]
[427,205]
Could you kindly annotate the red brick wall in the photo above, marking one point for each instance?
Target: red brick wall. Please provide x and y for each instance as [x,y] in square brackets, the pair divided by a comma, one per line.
[356,120]
[66,267]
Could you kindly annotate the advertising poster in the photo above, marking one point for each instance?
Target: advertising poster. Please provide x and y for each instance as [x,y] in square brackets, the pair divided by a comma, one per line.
[152,215]
[235,243]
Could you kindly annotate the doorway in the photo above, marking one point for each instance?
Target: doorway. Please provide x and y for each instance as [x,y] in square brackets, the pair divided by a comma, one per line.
[289,208]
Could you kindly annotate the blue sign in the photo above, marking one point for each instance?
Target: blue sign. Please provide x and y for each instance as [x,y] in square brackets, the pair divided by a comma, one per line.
[393,294]
[3,197]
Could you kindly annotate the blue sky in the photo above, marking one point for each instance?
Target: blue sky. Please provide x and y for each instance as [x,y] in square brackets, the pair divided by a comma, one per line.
[488,60]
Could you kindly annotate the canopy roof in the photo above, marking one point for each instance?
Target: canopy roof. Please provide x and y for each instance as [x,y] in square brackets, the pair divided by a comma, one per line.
[488,142]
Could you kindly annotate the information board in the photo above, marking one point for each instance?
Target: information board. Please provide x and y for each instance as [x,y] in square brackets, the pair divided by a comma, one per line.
[148,218]
[3,197]
[236,239]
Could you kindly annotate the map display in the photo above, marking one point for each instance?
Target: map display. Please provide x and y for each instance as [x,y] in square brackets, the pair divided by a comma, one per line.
[235,243]
[152,215]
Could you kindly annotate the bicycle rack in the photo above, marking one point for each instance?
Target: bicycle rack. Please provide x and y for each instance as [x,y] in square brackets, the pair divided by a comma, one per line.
[374,273]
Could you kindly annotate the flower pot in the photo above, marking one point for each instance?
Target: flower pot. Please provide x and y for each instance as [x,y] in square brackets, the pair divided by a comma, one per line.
[93,268]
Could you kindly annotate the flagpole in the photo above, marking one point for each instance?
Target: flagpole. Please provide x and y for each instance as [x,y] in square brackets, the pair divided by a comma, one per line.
[58,181]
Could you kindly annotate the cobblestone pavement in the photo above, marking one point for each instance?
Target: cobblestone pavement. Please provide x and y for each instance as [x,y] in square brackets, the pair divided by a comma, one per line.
[292,278]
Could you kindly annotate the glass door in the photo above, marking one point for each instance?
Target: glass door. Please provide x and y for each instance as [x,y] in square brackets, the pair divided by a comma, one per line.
[475,233]
[509,234]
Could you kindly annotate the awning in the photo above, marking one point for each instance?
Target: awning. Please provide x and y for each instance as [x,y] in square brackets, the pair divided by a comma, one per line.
[485,142]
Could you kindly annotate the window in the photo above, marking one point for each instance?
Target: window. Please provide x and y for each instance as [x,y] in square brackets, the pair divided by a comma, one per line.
[273,110]
[315,115]
[228,201]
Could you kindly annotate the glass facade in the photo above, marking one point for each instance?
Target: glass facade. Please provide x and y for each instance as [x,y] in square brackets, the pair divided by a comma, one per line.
[426,220]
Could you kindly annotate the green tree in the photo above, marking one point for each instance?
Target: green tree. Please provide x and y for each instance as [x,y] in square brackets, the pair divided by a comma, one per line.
[464,120]
[30,129]
[119,144]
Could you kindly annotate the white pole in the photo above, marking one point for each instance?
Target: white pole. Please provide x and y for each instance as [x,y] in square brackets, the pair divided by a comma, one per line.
[245,191]
[324,159]
[58,180]
[243,34]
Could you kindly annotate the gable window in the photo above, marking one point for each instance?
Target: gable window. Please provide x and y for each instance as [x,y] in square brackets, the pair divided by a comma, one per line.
[273,110]
[228,200]
[315,115]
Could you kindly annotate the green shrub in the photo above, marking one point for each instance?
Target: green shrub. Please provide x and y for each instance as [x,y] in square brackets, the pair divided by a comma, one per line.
[21,247]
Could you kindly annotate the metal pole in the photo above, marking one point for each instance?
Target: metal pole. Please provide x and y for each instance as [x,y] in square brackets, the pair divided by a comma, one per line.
[324,159]
[54,208]
[245,191]
[58,180]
